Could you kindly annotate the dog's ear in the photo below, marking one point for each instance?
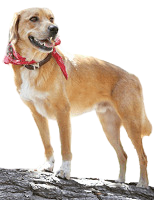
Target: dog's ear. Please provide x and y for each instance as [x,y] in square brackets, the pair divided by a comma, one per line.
[13,35]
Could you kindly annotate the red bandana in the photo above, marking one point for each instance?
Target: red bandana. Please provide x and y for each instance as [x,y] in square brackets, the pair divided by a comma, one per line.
[14,58]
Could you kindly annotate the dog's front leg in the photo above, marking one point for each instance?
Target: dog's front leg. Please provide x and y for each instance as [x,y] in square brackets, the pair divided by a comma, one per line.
[63,120]
[42,124]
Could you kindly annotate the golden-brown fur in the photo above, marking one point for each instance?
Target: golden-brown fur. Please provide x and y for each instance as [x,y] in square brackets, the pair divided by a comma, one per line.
[92,84]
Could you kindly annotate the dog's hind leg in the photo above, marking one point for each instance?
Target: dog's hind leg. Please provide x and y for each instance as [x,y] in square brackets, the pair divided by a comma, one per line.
[133,126]
[128,101]
[111,125]
[134,132]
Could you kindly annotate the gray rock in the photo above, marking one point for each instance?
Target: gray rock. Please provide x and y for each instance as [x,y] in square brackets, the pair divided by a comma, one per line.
[22,184]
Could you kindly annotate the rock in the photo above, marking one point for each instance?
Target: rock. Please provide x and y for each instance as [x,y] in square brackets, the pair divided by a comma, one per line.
[22,184]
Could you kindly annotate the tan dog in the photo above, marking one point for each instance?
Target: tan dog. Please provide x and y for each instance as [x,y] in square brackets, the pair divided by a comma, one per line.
[92,84]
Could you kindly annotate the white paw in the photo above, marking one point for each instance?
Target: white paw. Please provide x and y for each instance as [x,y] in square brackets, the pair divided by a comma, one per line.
[142,184]
[48,165]
[121,179]
[65,170]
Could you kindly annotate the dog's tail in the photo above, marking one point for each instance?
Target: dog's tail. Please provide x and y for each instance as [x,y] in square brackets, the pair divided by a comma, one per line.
[147,127]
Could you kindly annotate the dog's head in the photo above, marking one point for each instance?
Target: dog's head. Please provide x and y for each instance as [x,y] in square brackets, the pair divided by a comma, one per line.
[36,29]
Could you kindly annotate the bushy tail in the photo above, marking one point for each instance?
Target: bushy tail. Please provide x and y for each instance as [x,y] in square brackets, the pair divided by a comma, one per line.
[147,127]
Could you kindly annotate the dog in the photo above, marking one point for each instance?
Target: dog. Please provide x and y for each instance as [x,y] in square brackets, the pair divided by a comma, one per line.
[56,87]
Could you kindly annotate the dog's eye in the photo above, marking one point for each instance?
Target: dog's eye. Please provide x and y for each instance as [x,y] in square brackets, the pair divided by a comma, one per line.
[34,19]
[51,19]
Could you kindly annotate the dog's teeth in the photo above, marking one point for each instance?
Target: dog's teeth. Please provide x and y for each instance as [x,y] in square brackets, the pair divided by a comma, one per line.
[39,42]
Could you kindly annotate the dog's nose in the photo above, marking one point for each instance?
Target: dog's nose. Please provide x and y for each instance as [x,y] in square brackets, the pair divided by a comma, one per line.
[53,30]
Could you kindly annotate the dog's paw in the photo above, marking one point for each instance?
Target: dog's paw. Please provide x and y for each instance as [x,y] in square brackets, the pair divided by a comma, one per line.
[47,166]
[65,170]
[121,179]
[142,184]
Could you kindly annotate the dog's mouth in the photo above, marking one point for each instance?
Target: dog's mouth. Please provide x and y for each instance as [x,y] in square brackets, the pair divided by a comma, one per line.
[45,44]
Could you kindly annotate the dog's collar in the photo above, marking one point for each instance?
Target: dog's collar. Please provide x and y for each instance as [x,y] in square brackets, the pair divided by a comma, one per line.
[14,58]
[38,65]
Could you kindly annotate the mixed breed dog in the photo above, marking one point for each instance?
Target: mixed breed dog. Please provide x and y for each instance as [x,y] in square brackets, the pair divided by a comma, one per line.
[55,86]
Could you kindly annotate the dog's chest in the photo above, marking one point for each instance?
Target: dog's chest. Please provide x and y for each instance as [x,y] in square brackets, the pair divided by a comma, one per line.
[28,91]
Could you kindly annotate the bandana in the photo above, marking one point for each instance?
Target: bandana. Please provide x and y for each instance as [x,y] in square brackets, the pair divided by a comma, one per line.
[15,58]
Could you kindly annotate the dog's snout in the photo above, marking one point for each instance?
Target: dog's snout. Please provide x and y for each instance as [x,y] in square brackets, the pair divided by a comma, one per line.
[53,30]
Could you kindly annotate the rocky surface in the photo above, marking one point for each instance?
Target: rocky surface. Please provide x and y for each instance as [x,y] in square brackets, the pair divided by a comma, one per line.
[21,184]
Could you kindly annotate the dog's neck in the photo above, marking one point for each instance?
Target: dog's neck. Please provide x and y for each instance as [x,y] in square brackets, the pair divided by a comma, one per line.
[17,56]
